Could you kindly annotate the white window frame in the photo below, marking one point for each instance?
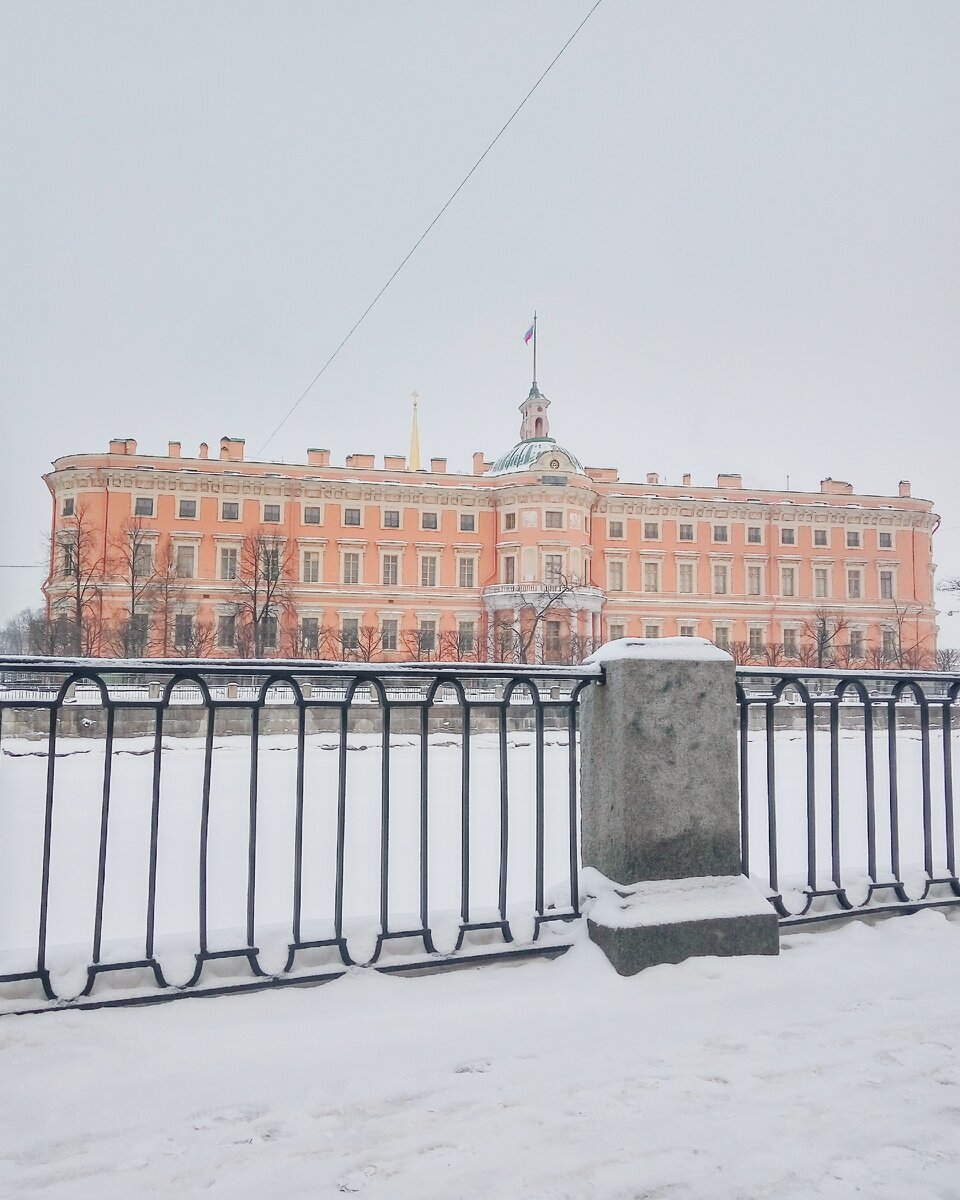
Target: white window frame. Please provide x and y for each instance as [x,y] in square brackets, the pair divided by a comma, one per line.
[195,501]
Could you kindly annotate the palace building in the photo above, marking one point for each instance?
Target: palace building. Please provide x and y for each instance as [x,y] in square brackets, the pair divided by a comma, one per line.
[530,557]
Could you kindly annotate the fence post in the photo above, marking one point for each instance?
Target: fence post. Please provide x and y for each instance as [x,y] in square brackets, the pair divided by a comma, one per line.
[660,808]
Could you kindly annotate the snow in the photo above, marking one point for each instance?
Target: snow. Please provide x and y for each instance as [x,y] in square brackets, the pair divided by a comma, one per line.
[669,901]
[686,649]
[831,1071]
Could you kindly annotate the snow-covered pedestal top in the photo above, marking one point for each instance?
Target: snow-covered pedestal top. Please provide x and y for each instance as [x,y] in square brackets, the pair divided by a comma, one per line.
[685,649]
[670,901]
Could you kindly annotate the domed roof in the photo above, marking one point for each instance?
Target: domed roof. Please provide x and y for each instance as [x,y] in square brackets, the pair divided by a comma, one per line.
[525,454]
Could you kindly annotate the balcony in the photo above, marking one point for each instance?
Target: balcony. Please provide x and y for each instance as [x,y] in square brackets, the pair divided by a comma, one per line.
[539,592]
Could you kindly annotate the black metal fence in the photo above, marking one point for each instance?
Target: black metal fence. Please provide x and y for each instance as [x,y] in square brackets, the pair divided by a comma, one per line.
[195,827]
[846,790]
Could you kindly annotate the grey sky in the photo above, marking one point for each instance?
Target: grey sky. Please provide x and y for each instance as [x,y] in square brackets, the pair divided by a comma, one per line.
[738,222]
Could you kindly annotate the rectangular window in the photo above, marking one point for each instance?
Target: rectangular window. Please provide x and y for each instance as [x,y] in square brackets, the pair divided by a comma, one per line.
[428,636]
[142,560]
[68,558]
[187,509]
[889,644]
[854,585]
[467,636]
[391,569]
[510,520]
[310,633]
[886,540]
[510,570]
[788,537]
[311,566]
[67,510]
[143,506]
[651,531]
[821,582]
[226,631]
[788,581]
[228,562]
[186,562]
[137,634]
[615,577]
[616,631]
[685,533]
[651,577]
[755,641]
[271,514]
[428,571]
[721,580]
[754,535]
[350,633]
[270,562]
[552,640]
[820,537]
[721,533]
[429,520]
[467,572]
[552,519]
[388,634]
[351,567]
[391,518]
[616,529]
[685,577]
[553,576]
[468,522]
[651,631]
[230,510]
[856,643]
[183,631]
[351,516]
[790,643]
[688,631]
[886,585]
[853,539]
[721,637]
[311,514]
[754,580]
[271,631]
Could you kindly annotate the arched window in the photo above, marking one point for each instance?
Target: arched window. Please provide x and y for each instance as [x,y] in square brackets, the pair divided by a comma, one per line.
[538,427]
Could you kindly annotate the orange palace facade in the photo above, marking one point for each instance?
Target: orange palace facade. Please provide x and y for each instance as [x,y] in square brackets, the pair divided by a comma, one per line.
[532,556]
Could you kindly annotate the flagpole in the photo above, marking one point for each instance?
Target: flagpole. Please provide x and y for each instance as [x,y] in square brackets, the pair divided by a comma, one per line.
[534,348]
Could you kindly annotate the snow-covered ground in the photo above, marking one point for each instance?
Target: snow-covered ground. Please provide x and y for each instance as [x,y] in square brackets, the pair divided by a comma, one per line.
[831,1071]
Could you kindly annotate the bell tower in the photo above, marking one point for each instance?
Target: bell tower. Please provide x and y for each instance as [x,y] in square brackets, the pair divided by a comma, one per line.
[536,423]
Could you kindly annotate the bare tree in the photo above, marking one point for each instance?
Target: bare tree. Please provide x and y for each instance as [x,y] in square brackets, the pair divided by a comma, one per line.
[260,595]
[774,653]
[947,659]
[822,631]
[15,633]
[420,644]
[130,562]
[741,653]
[517,641]
[76,584]
[909,652]
[168,596]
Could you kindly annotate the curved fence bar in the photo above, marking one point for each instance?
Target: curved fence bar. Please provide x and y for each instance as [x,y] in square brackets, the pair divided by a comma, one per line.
[173,828]
[818,749]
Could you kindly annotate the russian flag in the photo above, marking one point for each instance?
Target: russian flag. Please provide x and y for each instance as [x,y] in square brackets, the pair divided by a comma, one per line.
[528,335]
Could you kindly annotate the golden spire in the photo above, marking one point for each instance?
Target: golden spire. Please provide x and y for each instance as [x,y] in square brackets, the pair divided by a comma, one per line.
[414,463]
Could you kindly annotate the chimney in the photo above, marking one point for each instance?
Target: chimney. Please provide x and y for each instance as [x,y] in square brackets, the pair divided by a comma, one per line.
[438,466]
[204,450]
[478,464]
[653,477]
[318,458]
[686,480]
[730,480]
[173,449]
[123,445]
[835,487]
[904,485]
[394,462]
[363,462]
[231,449]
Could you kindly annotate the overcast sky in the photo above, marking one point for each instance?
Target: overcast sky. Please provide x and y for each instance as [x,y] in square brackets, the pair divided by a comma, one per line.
[737,220]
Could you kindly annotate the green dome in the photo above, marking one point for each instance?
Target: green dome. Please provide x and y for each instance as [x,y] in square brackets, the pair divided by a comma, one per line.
[525,454]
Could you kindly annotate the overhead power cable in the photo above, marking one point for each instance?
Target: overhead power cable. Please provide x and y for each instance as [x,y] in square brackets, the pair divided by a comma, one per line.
[413,249]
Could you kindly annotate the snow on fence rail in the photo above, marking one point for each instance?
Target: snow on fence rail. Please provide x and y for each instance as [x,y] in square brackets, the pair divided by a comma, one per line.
[360,833]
